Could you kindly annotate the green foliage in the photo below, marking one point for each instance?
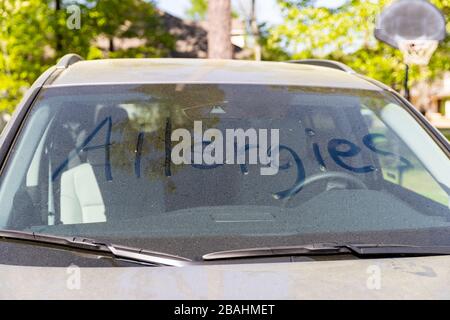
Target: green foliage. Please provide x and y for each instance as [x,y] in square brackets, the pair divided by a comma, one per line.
[139,52]
[34,35]
[345,34]
[24,47]
[197,10]
[271,48]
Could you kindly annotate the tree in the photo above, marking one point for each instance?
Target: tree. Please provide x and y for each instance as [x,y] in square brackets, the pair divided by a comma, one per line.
[198,9]
[34,35]
[271,48]
[219,29]
[62,39]
[25,50]
[254,30]
[345,33]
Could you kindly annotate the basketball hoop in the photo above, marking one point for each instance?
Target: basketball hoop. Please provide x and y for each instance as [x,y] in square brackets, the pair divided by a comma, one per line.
[415,27]
[417,51]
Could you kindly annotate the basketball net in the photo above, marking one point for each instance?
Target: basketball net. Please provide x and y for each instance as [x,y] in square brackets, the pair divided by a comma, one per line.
[417,51]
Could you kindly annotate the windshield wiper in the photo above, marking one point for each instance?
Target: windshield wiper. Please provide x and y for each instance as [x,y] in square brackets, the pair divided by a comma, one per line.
[359,250]
[96,248]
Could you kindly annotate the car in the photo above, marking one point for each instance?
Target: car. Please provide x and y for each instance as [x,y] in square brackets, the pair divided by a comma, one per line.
[221,179]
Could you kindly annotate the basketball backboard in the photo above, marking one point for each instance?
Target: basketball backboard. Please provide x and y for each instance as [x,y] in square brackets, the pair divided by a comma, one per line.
[413,26]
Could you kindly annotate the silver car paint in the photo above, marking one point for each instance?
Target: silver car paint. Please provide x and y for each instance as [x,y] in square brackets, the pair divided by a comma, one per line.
[400,278]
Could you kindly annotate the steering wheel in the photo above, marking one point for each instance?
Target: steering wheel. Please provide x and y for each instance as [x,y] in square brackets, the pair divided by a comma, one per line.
[332,175]
[321,176]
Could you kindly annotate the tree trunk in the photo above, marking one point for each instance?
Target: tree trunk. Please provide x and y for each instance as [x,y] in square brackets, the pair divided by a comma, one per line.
[255,31]
[219,29]
[112,48]
[58,40]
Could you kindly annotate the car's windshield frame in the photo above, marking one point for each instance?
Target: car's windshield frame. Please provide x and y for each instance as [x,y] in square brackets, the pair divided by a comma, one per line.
[21,118]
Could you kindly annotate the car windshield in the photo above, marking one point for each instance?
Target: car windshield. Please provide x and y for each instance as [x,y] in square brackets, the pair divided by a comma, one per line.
[189,169]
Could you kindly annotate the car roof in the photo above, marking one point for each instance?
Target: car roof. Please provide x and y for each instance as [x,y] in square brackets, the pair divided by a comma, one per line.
[168,70]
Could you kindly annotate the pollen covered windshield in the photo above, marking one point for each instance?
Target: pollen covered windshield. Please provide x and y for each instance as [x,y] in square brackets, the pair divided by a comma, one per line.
[195,168]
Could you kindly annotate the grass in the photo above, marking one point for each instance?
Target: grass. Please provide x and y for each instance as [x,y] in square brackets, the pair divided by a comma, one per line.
[419,180]
[446,133]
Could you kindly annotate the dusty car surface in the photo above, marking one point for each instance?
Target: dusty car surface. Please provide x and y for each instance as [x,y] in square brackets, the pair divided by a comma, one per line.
[210,179]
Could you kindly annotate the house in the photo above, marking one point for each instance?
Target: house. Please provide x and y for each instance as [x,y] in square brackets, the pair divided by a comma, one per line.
[434,101]
[442,98]
[191,39]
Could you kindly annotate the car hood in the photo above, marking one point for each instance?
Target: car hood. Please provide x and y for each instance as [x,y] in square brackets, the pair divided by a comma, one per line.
[400,278]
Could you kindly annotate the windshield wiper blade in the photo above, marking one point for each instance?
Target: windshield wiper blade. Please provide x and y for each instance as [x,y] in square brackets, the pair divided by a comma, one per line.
[97,248]
[275,251]
[360,250]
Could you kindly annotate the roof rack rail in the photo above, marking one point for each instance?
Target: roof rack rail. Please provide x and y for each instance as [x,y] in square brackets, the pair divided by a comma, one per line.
[67,60]
[325,63]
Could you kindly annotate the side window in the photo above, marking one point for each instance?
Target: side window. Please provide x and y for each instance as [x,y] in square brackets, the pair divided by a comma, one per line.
[398,163]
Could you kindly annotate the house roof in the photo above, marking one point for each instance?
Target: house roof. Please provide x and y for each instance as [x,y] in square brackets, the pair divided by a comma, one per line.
[191,39]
